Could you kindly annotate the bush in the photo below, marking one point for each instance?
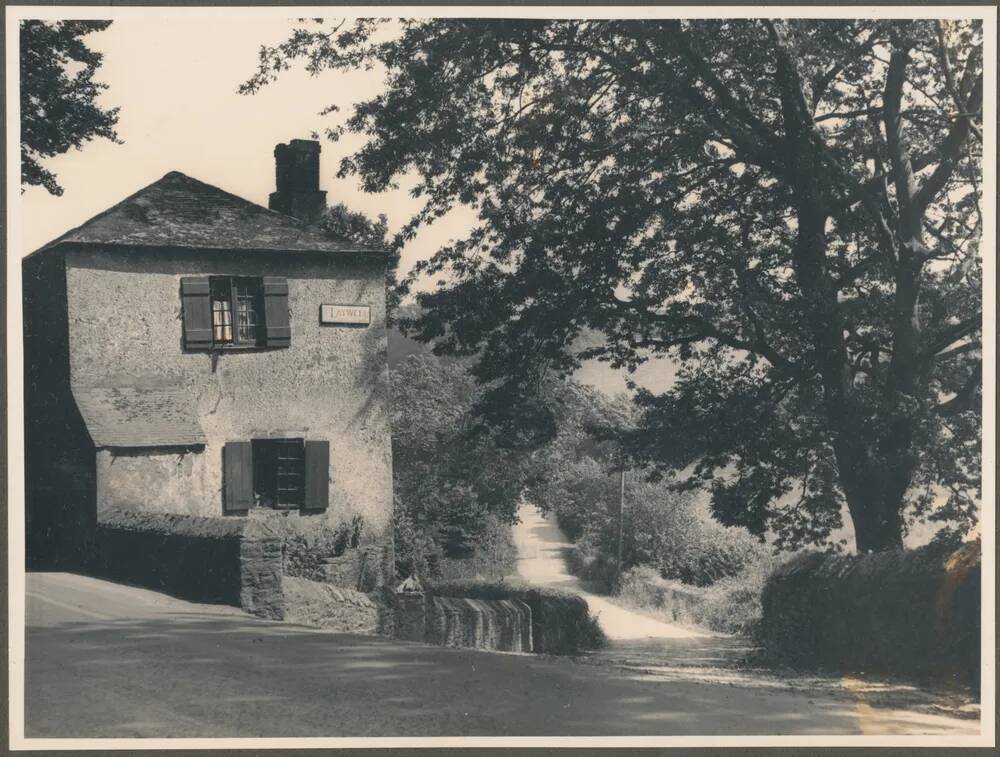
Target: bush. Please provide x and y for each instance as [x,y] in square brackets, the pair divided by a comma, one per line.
[416,551]
[915,612]
[644,588]
[733,604]
[585,562]
[493,557]
[671,531]
[305,544]
[561,622]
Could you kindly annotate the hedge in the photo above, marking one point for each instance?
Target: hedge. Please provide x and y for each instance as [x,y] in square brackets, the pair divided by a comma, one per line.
[561,622]
[184,555]
[914,612]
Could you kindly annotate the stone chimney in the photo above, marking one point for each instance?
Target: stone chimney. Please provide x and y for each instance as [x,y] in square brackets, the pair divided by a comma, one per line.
[296,168]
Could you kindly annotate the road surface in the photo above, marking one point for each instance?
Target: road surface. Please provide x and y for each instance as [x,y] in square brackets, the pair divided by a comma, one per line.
[674,652]
[105,660]
[540,547]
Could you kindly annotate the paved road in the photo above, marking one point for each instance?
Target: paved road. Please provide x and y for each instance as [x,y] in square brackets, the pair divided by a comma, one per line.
[104,660]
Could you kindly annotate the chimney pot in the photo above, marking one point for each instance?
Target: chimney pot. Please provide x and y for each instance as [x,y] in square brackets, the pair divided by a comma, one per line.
[296,171]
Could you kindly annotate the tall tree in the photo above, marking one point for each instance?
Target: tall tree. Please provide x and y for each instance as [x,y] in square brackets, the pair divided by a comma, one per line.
[790,208]
[59,108]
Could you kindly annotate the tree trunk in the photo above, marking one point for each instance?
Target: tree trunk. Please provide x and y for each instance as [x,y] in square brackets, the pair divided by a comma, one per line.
[874,487]
[874,463]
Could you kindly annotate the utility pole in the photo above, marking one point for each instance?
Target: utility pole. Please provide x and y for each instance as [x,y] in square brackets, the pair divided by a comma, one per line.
[621,526]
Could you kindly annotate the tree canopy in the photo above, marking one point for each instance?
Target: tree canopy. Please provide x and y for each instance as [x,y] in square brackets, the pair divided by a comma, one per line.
[790,208]
[59,108]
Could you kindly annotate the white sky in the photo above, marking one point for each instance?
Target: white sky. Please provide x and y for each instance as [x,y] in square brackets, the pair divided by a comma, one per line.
[175,79]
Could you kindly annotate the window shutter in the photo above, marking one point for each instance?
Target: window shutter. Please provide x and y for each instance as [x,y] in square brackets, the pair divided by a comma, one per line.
[279,332]
[317,476]
[237,461]
[197,312]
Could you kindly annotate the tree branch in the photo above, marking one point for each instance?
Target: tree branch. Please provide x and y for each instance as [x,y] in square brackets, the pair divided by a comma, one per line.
[892,97]
[964,397]
[953,333]
[950,153]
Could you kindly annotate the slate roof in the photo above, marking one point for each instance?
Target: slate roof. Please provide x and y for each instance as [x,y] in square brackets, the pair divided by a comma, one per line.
[178,211]
[131,416]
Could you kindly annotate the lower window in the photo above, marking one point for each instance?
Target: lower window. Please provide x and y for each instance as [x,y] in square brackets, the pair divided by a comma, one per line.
[279,473]
[282,474]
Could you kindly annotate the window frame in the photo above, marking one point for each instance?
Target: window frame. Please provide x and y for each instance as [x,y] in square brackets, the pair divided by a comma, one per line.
[255,285]
[272,470]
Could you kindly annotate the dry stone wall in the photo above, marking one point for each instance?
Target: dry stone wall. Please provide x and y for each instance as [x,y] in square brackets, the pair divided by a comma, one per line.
[499,624]
[335,608]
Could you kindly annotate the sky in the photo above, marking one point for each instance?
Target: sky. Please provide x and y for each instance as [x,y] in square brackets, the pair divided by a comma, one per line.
[176,82]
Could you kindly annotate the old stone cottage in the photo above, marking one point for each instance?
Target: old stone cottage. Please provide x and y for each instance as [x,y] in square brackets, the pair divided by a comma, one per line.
[194,362]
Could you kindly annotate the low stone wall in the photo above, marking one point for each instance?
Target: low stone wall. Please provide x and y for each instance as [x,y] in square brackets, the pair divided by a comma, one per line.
[561,622]
[914,612]
[335,608]
[238,561]
[501,625]
[262,571]
[361,568]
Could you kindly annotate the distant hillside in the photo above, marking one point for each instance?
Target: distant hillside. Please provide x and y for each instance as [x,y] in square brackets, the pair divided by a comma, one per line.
[656,375]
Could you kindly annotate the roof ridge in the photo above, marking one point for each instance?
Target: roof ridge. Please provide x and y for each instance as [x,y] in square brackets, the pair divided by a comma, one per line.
[176,201]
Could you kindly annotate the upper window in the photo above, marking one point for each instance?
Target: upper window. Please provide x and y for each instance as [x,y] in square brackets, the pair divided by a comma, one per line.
[237,311]
[228,312]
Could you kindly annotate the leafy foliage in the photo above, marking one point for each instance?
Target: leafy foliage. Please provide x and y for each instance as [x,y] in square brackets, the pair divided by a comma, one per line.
[451,474]
[59,107]
[343,223]
[790,208]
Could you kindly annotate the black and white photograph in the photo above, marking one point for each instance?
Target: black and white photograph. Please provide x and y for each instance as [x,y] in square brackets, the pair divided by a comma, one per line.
[539,376]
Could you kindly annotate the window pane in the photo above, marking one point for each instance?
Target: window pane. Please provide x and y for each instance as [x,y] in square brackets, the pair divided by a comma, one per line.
[222,332]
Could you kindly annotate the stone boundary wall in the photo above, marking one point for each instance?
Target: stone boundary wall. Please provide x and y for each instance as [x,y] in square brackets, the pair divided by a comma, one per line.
[336,608]
[502,625]
[345,555]
[561,622]
[236,561]
[498,624]
[913,612]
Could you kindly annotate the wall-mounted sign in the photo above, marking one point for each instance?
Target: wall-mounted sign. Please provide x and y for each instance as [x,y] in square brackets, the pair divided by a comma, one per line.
[349,314]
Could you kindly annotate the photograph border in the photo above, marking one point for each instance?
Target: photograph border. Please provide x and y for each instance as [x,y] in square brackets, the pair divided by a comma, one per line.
[14,437]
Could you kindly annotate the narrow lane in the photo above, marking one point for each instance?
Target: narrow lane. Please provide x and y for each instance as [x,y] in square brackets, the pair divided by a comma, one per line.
[540,548]
[674,653]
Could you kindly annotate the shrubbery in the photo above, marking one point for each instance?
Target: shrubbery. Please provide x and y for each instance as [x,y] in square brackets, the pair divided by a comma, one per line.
[733,604]
[305,544]
[457,483]
[667,530]
[730,605]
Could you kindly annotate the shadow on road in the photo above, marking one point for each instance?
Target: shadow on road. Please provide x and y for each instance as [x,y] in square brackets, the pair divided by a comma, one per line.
[204,675]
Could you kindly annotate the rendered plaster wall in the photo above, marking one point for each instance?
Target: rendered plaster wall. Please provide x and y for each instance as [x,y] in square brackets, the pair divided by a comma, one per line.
[125,329]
